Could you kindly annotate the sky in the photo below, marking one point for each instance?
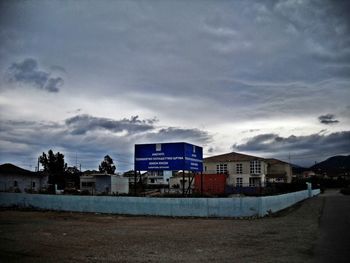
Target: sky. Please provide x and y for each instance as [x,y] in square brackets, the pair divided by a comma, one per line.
[91,78]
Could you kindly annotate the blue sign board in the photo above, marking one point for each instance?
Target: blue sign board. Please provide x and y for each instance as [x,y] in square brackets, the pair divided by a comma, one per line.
[168,157]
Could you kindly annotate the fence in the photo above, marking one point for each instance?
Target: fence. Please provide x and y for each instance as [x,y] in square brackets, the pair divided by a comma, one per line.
[265,189]
[174,207]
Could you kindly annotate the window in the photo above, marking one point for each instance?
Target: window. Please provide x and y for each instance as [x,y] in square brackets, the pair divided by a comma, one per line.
[239,169]
[88,184]
[221,168]
[254,182]
[255,167]
[239,181]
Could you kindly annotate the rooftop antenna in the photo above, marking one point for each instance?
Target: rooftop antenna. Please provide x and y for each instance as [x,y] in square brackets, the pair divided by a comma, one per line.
[76,160]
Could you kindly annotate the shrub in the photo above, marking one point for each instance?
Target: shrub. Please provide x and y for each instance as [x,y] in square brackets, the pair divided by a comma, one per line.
[71,191]
[85,192]
[345,191]
[30,191]
[43,191]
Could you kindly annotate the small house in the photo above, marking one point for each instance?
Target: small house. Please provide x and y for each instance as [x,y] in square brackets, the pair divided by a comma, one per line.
[16,179]
[100,183]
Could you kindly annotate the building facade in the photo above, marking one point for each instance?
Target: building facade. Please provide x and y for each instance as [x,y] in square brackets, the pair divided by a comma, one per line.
[246,170]
[278,171]
[104,184]
[160,178]
[16,179]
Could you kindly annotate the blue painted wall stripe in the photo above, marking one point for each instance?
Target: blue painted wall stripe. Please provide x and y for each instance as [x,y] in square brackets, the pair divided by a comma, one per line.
[183,207]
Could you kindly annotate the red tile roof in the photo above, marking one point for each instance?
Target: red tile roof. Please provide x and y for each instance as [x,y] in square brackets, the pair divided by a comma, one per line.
[239,157]
[274,161]
[232,157]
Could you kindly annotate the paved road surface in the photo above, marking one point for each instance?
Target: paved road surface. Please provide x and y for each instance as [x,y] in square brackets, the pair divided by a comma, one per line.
[333,244]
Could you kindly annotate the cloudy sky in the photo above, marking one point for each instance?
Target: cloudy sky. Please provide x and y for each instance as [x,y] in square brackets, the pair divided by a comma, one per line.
[90,78]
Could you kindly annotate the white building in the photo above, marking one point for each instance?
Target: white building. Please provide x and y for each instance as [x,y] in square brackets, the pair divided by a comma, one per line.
[246,170]
[242,170]
[16,179]
[104,184]
[278,171]
[158,177]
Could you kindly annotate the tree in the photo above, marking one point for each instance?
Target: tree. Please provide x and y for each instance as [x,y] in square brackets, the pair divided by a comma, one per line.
[72,177]
[107,165]
[55,166]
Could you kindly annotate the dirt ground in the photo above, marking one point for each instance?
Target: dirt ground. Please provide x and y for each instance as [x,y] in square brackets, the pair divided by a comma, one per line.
[37,236]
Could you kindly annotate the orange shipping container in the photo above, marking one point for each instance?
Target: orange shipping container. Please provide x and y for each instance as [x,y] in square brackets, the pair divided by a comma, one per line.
[213,184]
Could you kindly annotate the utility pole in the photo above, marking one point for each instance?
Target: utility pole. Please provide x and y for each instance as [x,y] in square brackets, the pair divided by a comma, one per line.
[76,160]
[289,158]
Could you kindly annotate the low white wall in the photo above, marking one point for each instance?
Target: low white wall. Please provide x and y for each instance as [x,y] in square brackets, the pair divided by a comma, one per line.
[186,207]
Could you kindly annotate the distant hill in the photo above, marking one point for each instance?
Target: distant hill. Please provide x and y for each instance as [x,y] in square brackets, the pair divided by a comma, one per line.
[298,169]
[9,168]
[336,165]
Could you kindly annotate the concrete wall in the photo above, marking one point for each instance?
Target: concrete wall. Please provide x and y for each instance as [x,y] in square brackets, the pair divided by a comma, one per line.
[187,207]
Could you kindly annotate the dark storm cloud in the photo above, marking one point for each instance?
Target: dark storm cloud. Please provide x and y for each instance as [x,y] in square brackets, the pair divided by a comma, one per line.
[82,124]
[205,63]
[28,72]
[53,84]
[179,134]
[210,150]
[314,144]
[158,49]
[27,139]
[327,119]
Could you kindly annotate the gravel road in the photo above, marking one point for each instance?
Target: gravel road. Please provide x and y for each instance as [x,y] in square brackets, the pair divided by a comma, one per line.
[37,236]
